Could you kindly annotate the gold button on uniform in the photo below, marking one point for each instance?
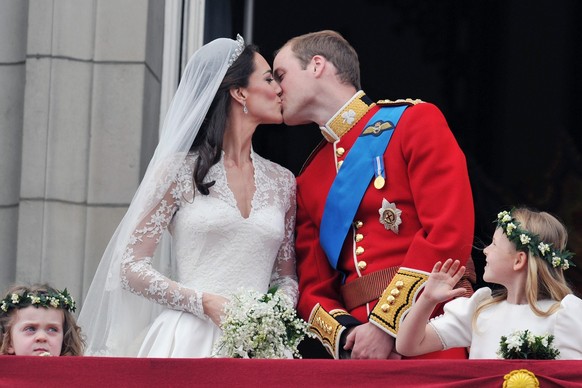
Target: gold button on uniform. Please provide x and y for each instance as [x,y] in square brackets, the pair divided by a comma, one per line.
[340,151]
[359,237]
[399,284]
[395,292]
[391,299]
[362,265]
[359,250]
[339,164]
[385,307]
[358,224]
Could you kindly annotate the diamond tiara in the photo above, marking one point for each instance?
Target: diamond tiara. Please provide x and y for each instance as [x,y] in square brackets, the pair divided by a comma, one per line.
[240,46]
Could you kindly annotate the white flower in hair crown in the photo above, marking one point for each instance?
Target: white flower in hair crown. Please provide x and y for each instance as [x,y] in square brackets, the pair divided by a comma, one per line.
[531,242]
[240,46]
[55,299]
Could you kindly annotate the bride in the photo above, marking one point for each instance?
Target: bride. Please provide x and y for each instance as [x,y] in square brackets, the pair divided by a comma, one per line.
[223,214]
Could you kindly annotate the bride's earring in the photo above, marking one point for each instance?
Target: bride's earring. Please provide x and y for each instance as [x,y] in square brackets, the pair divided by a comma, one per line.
[245,110]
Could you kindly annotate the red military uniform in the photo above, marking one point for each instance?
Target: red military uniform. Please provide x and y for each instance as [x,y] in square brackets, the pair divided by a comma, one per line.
[422,214]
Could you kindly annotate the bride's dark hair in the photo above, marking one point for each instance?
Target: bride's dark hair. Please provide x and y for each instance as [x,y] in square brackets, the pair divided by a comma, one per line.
[208,142]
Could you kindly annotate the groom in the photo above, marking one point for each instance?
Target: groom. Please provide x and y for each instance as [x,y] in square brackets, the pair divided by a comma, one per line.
[382,198]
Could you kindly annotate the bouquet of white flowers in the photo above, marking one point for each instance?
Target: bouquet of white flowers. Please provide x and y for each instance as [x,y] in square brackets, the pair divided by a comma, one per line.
[260,326]
[522,344]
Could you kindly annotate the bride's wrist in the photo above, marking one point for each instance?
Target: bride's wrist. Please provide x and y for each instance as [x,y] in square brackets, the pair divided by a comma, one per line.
[206,302]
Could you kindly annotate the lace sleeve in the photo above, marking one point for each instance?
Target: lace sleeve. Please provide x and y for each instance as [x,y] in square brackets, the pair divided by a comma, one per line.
[137,272]
[284,275]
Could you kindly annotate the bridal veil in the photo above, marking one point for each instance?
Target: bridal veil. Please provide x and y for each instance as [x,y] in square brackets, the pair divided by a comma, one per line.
[112,319]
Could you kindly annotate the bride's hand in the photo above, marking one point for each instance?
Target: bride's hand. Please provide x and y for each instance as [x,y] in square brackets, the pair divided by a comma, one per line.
[214,306]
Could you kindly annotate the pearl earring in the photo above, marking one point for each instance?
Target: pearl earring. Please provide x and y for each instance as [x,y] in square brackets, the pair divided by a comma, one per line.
[245,110]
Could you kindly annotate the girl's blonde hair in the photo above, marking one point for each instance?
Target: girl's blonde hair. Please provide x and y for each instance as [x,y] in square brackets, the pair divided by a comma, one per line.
[543,280]
[73,343]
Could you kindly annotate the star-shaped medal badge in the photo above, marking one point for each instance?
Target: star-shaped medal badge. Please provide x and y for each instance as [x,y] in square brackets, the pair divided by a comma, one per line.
[390,215]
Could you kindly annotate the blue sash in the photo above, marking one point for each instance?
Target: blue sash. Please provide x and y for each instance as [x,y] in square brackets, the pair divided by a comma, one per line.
[353,179]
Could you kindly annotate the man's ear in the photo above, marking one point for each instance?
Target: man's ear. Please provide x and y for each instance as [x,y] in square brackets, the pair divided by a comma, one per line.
[239,94]
[520,261]
[318,64]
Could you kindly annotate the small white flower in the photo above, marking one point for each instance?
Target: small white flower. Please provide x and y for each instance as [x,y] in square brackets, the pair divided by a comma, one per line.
[15,298]
[4,306]
[566,265]
[543,247]
[514,340]
[524,238]
[510,227]
[54,302]
[556,261]
[531,338]
[34,299]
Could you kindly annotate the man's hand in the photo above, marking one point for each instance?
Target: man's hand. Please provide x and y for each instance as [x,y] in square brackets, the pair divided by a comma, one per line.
[370,342]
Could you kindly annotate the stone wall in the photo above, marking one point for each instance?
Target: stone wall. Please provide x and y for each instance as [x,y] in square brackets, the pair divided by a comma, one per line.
[79,115]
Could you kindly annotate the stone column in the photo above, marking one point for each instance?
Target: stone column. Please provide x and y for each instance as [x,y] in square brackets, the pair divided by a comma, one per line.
[13,28]
[90,124]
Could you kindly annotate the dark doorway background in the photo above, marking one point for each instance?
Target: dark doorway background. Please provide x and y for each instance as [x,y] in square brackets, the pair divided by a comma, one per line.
[504,72]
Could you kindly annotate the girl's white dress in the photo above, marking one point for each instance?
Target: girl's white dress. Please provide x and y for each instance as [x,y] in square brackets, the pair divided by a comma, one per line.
[455,329]
[216,250]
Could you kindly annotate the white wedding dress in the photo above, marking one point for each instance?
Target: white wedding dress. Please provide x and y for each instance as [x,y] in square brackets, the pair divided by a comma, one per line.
[216,250]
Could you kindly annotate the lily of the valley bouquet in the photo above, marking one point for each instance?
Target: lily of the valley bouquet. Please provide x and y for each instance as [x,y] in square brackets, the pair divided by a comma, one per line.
[523,344]
[259,325]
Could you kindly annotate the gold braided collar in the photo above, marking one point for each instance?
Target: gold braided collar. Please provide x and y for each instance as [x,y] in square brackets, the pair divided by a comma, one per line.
[347,117]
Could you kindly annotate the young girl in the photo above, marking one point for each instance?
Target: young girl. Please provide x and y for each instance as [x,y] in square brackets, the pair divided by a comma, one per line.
[527,257]
[38,321]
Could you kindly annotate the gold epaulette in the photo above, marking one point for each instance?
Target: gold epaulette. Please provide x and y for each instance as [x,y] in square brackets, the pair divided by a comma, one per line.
[396,299]
[327,329]
[400,101]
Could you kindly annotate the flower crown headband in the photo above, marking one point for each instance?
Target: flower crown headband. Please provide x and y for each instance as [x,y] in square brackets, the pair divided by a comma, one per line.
[527,241]
[52,298]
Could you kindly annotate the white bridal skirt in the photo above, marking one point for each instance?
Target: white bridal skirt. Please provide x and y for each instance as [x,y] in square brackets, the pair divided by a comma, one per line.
[177,334]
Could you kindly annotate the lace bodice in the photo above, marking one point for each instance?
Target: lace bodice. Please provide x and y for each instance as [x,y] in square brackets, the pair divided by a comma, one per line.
[216,249]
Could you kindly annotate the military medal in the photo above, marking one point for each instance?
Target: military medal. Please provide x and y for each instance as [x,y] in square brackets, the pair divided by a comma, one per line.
[390,216]
[379,181]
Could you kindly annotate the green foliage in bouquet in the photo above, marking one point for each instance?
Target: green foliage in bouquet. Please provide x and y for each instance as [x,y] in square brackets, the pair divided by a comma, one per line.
[523,344]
